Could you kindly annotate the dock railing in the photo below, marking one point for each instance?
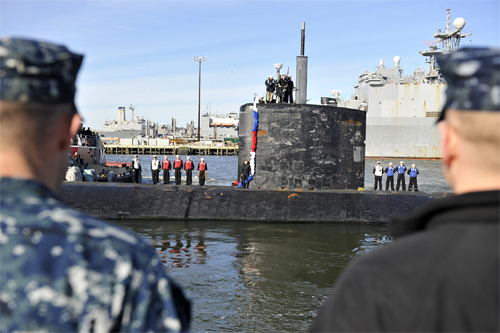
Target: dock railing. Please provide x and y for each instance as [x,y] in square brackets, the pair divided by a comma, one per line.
[172,150]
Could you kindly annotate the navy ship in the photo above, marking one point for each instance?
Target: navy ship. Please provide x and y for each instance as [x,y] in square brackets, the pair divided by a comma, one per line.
[402,110]
[123,128]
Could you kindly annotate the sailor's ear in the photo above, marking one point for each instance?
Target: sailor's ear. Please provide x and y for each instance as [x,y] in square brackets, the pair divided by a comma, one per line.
[448,143]
[66,127]
[76,121]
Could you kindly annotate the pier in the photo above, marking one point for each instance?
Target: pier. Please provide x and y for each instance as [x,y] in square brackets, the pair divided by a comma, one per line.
[171,150]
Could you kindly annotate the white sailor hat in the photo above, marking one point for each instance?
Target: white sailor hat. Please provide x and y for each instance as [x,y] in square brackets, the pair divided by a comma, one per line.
[154,156]
[378,162]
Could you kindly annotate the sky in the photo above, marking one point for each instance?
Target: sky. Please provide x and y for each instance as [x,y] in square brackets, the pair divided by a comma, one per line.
[142,52]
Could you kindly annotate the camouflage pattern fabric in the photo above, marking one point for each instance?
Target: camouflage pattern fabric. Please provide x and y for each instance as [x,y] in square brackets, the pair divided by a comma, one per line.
[473,78]
[62,270]
[33,71]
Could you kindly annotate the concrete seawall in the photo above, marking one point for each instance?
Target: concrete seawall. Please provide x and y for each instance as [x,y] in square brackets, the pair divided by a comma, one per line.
[145,201]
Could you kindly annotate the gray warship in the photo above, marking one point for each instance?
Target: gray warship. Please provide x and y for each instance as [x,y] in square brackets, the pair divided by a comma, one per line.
[402,110]
[212,126]
[122,128]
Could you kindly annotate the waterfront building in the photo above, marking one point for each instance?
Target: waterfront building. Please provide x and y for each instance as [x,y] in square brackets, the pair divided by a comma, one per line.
[219,126]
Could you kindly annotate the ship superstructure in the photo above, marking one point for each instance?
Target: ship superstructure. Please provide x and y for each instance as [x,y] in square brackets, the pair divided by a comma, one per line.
[123,128]
[402,110]
[139,129]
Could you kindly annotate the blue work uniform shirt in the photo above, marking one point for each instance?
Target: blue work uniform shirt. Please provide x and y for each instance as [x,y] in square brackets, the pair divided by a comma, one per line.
[63,270]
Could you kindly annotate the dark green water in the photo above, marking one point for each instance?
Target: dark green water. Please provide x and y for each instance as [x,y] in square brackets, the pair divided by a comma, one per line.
[249,276]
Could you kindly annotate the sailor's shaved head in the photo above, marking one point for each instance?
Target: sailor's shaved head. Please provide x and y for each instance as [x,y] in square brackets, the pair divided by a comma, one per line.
[26,124]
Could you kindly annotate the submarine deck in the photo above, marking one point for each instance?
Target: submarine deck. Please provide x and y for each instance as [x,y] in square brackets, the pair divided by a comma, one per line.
[146,201]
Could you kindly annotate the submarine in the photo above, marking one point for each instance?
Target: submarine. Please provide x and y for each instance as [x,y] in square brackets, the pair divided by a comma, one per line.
[307,165]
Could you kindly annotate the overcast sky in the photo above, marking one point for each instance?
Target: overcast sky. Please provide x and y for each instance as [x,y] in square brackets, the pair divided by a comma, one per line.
[141,52]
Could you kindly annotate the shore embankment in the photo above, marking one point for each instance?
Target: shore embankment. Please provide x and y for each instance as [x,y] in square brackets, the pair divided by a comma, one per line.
[146,201]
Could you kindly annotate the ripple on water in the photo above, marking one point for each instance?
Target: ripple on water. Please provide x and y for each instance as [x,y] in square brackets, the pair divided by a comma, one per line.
[246,276]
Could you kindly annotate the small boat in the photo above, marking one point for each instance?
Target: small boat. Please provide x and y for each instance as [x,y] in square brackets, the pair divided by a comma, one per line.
[88,153]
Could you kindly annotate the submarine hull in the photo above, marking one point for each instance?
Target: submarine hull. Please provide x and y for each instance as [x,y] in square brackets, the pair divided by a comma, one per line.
[113,201]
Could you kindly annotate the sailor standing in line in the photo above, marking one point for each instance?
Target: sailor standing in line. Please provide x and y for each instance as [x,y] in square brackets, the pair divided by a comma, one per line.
[155,170]
[189,167]
[401,176]
[378,171]
[390,177]
[202,171]
[245,172]
[178,170]
[290,89]
[279,90]
[413,172]
[136,168]
[270,86]
[283,83]
[166,167]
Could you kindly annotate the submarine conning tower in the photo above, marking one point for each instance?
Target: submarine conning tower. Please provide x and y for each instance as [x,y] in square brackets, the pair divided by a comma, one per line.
[304,146]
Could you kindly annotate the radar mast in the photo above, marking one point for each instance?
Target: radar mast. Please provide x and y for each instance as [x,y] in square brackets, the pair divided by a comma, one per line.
[450,41]
[132,109]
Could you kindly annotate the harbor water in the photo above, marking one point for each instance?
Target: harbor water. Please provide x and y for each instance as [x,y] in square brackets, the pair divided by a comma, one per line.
[261,277]
[256,277]
[222,170]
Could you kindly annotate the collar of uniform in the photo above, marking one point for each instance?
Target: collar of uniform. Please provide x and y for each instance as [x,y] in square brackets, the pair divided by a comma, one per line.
[463,208]
[24,187]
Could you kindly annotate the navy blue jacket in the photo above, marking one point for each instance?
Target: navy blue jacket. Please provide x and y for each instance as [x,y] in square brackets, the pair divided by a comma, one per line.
[440,274]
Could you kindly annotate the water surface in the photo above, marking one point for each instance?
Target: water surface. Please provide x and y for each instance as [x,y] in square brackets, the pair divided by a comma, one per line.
[246,276]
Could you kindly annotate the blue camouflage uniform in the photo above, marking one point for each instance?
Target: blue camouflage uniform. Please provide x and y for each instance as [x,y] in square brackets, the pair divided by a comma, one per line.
[63,270]
[472,84]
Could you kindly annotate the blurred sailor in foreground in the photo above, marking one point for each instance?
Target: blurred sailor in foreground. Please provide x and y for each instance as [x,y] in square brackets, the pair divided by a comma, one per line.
[63,270]
[442,271]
